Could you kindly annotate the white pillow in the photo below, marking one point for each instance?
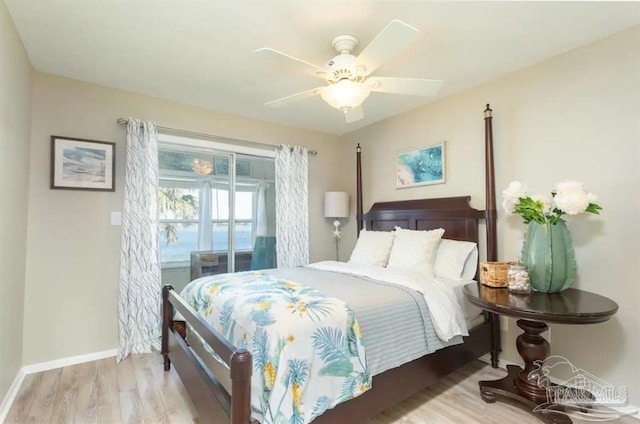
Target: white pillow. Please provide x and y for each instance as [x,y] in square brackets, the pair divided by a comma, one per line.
[451,258]
[414,250]
[372,248]
[470,265]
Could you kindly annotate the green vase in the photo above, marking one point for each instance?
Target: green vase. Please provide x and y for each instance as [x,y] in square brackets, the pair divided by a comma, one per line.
[548,254]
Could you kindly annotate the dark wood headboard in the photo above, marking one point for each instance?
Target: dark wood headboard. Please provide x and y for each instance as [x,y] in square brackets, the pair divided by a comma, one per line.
[453,214]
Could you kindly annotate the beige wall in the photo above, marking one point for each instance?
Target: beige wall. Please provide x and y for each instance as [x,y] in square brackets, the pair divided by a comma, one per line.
[73,252]
[576,116]
[15,124]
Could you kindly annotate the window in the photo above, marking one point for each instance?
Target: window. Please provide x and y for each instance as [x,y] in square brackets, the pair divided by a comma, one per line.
[179,221]
[181,195]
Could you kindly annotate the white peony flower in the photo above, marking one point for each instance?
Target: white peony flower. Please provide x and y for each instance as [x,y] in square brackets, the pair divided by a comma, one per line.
[509,205]
[515,191]
[568,185]
[567,197]
[547,205]
[571,202]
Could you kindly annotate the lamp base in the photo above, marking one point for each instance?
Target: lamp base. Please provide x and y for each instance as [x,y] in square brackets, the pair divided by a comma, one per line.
[336,237]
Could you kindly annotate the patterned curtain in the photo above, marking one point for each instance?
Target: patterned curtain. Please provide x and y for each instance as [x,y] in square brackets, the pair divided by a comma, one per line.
[139,289]
[261,210]
[292,206]
[205,225]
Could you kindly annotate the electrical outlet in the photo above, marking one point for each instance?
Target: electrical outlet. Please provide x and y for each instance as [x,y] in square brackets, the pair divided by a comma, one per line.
[504,323]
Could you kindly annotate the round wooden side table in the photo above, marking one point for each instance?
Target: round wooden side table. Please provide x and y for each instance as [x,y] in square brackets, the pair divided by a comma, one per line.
[534,310]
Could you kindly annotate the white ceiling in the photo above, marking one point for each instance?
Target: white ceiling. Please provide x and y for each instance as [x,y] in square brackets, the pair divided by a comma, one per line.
[201,52]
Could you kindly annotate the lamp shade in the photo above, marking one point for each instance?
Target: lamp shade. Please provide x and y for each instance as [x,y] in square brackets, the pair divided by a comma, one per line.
[336,204]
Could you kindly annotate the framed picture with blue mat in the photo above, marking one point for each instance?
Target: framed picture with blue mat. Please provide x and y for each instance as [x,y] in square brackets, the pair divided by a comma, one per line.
[422,166]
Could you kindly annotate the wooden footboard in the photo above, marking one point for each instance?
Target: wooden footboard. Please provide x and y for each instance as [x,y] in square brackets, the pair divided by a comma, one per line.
[213,402]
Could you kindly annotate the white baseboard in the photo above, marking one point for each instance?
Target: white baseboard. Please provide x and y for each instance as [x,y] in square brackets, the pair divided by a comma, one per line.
[72,360]
[624,409]
[5,406]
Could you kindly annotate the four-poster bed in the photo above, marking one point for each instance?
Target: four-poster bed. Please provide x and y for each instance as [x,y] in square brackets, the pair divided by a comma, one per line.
[215,404]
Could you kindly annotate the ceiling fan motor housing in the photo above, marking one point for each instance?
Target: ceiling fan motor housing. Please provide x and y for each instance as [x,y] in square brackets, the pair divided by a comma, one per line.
[342,67]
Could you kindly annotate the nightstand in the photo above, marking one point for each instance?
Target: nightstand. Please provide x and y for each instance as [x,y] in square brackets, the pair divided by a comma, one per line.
[526,386]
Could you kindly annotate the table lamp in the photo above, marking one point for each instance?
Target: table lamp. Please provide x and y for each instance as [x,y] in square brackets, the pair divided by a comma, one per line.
[336,205]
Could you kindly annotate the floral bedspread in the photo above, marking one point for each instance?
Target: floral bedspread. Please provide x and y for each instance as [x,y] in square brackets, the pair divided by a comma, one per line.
[308,353]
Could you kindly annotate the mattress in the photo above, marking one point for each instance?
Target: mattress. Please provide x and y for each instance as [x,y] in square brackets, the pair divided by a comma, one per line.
[471,311]
[389,316]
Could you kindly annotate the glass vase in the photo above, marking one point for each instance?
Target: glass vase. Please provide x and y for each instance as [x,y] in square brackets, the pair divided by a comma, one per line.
[549,256]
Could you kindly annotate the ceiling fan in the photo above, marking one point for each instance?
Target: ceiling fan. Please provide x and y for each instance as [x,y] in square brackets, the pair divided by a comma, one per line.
[348,78]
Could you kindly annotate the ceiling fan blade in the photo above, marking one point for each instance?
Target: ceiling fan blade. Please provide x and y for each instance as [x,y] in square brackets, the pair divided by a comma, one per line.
[413,86]
[283,101]
[354,114]
[309,68]
[390,40]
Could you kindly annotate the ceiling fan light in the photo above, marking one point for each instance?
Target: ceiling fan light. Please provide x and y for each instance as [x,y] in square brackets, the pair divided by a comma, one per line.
[345,94]
[201,167]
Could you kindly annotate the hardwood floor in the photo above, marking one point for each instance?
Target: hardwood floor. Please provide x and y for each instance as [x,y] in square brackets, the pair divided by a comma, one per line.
[137,390]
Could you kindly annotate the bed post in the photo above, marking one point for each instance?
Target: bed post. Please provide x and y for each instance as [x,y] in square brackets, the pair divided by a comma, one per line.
[241,370]
[359,189]
[490,187]
[491,223]
[167,318]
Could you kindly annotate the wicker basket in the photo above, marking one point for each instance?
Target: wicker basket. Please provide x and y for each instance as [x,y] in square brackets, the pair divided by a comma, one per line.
[494,274]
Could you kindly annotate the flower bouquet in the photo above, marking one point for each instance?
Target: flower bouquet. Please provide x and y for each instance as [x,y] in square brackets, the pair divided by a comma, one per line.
[547,250]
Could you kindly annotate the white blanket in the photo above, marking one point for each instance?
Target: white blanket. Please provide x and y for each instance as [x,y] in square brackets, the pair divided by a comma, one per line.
[445,310]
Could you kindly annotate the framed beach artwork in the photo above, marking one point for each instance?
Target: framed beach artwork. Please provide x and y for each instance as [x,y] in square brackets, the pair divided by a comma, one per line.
[79,164]
[422,166]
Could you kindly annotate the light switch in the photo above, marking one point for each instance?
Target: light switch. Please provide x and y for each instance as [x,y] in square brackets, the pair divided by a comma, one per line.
[116,218]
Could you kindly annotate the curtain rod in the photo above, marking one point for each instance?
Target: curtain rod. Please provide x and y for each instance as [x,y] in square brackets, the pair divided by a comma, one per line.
[123,122]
